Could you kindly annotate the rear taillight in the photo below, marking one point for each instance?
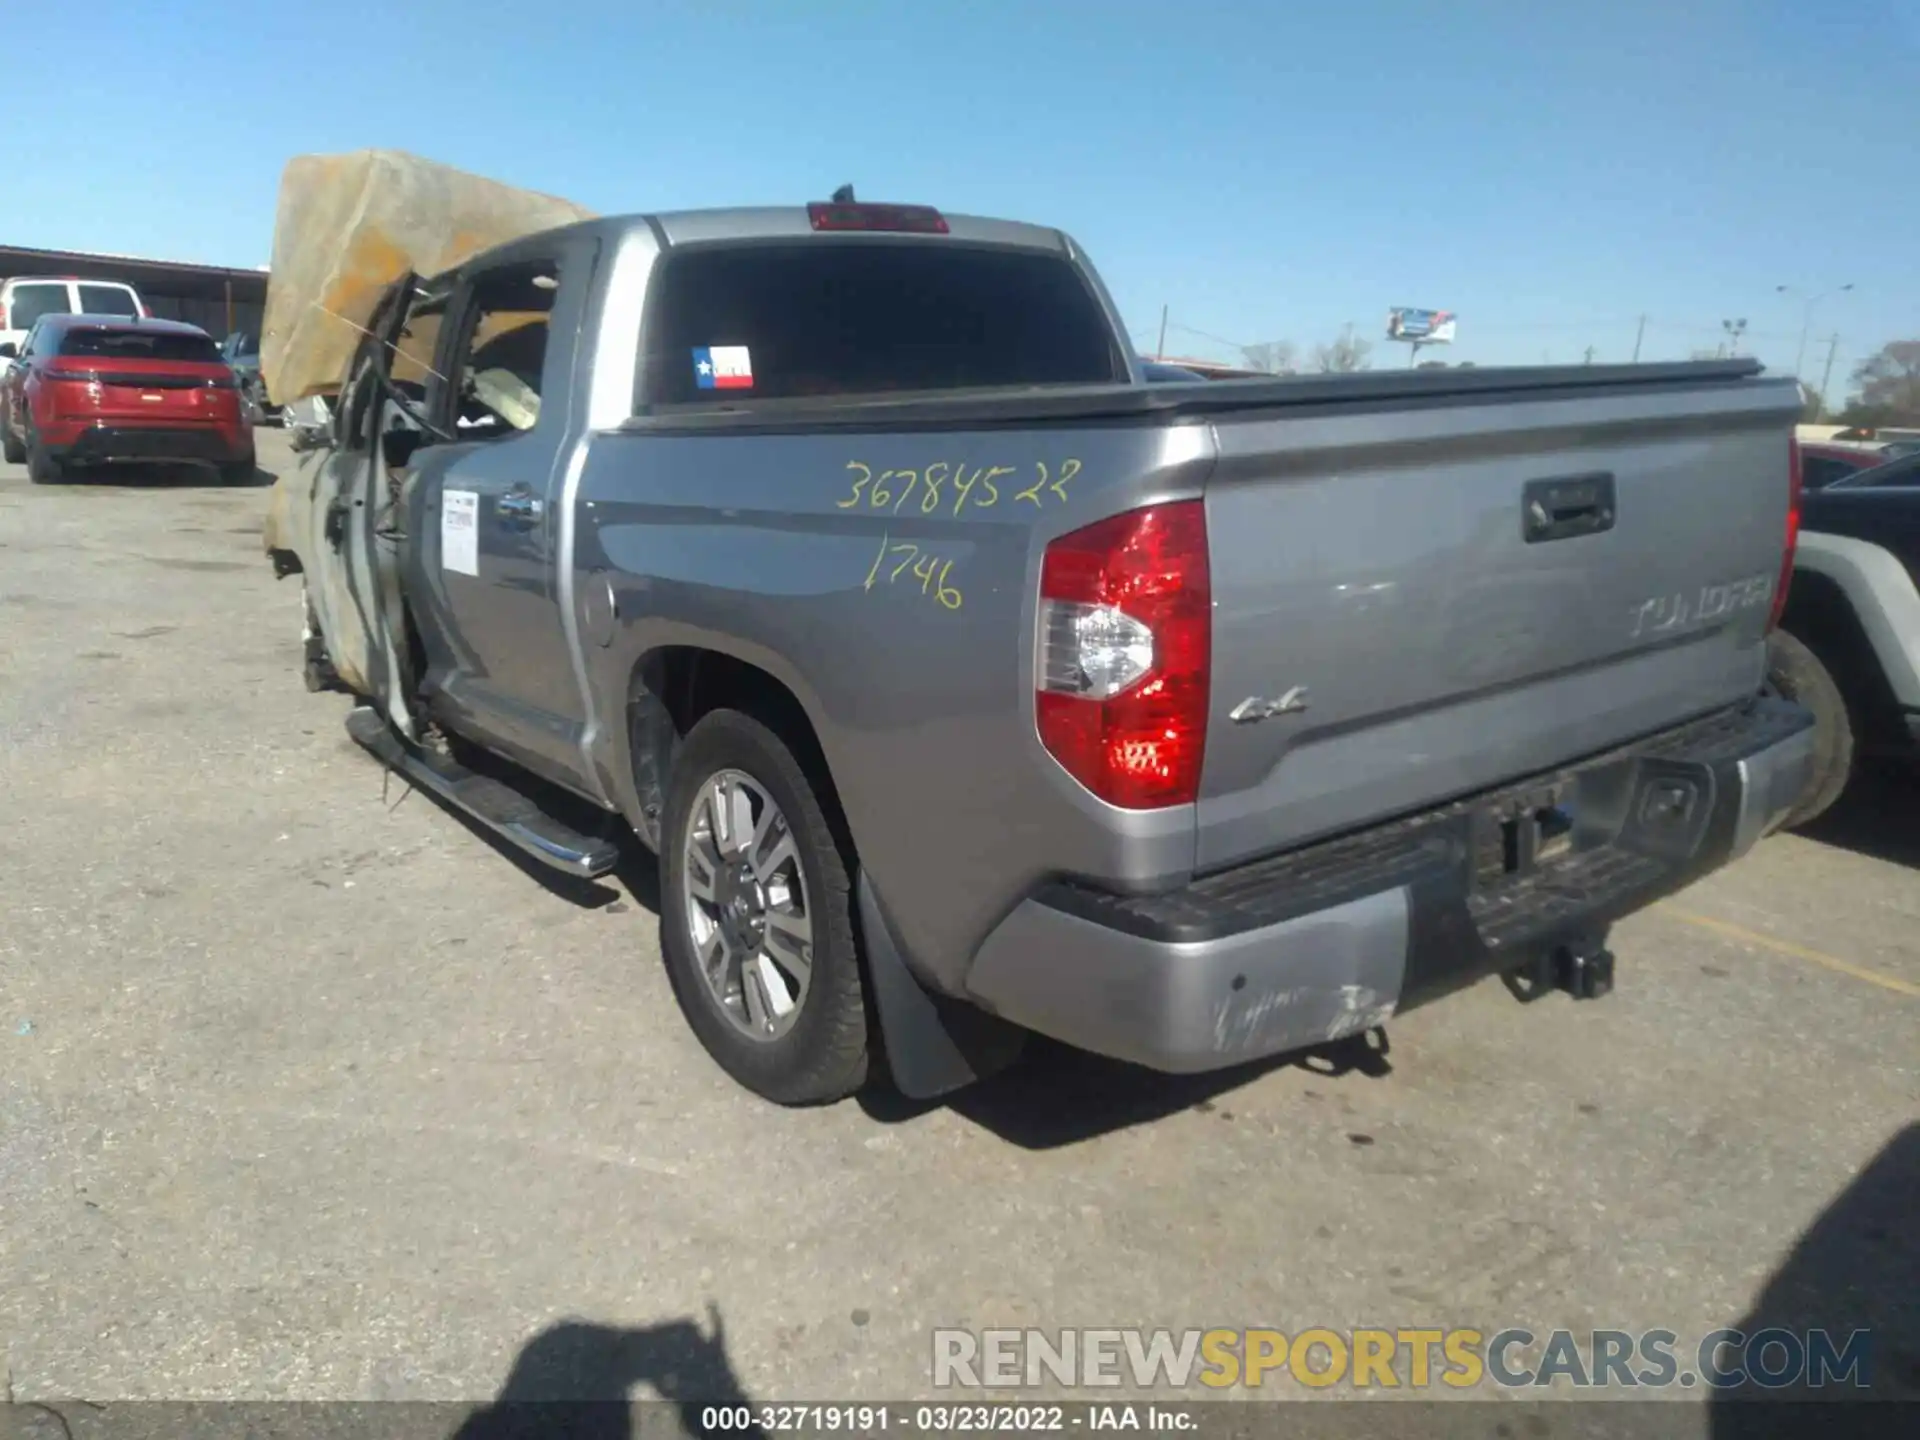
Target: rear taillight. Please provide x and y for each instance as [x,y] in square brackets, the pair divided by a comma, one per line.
[1126,623]
[71,392]
[1794,491]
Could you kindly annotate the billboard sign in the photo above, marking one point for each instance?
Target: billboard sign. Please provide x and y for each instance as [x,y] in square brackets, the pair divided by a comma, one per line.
[1422,327]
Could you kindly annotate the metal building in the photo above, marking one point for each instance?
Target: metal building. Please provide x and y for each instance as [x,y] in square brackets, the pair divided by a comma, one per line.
[217,299]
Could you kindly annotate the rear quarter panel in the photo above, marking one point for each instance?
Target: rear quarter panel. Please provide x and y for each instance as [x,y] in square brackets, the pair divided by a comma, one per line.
[821,559]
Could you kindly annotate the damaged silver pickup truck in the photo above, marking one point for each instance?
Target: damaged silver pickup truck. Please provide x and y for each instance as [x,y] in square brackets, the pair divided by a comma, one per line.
[967,686]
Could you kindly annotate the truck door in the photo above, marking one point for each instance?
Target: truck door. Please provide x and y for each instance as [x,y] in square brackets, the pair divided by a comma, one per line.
[499,663]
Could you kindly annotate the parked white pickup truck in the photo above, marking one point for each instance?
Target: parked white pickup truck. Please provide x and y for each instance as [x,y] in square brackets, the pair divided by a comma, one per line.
[25,298]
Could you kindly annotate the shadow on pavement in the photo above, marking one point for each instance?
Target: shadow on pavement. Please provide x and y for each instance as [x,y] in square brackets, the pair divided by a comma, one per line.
[148,476]
[637,870]
[576,1379]
[1875,816]
[1857,1267]
[1055,1095]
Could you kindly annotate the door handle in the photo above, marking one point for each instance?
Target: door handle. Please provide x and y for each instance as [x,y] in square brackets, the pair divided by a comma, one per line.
[518,507]
[1569,505]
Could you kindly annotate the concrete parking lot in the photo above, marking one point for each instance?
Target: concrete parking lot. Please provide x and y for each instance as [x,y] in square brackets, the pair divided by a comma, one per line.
[307,1091]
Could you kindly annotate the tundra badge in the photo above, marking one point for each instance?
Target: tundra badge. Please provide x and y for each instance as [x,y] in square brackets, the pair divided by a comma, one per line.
[1256,707]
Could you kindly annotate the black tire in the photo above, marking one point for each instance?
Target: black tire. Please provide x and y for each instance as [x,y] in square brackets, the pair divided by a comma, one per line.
[239,473]
[42,468]
[1796,673]
[824,1056]
[10,445]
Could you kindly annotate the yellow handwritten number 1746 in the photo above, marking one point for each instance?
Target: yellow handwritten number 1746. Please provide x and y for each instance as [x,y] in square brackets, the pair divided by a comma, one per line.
[929,570]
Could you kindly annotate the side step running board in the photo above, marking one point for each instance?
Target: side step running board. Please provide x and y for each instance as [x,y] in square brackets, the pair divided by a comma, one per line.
[502,809]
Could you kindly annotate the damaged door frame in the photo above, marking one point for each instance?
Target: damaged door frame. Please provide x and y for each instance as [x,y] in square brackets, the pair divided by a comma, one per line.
[365,523]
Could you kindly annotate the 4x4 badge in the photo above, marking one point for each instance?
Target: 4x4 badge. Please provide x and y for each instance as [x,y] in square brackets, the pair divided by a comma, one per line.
[1256,707]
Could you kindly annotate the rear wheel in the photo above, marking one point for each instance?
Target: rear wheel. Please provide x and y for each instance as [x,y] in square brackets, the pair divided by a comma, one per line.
[42,468]
[1797,674]
[10,444]
[757,916]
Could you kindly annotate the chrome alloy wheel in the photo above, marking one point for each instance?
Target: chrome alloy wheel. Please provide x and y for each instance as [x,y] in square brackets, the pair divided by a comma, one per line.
[748,912]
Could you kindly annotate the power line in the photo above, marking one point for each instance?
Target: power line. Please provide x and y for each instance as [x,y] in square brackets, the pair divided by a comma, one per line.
[1216,339]
[1537,326]
[1688,327]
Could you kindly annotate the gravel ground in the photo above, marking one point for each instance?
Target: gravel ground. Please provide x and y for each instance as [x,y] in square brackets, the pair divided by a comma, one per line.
[308,1092]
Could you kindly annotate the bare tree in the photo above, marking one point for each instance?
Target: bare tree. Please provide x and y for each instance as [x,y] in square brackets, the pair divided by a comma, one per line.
[1889,382]
[1275,357]
[1343,356]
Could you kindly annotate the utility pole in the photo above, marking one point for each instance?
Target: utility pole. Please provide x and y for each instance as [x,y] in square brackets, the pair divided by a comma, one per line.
[1638,336]
[1735,329]
[1806,315]
[1833,347]
[1589,359]
[1160,350]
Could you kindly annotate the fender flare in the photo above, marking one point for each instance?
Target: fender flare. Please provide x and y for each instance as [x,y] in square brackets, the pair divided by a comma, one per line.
[1883,598]
[613,679]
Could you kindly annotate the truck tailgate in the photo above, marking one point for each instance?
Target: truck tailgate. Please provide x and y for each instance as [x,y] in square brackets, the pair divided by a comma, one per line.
[1414,602]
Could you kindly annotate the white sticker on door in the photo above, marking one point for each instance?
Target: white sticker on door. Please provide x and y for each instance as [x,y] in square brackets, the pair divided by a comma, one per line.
[460,531]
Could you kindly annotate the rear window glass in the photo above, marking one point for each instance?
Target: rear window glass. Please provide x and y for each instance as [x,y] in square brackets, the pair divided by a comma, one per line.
[99,342]
[1817,471]
[107,300]
[859,317]
[30,302]
[1899,473]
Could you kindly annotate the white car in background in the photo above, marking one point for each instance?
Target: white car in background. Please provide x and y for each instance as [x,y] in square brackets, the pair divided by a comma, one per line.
[25,298]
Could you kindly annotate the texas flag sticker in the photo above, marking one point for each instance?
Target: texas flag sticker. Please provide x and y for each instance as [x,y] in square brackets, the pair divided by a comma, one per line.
[723,367]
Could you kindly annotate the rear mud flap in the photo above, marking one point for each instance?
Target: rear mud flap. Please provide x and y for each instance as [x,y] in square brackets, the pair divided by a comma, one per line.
[933,1045]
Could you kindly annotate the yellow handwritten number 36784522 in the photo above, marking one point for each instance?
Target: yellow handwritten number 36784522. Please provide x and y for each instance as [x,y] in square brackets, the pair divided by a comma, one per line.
[922,490]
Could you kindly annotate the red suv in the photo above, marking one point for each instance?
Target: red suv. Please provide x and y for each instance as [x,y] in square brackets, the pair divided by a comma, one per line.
[88,388]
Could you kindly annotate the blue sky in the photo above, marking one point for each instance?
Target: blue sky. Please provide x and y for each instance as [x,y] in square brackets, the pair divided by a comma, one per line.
[1265,170]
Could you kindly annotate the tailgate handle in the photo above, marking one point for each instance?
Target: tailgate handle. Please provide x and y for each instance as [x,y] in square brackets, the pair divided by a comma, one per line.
[1566,506]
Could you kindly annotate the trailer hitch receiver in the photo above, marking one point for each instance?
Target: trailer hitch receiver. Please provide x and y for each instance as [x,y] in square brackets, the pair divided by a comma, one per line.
[1582,968]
